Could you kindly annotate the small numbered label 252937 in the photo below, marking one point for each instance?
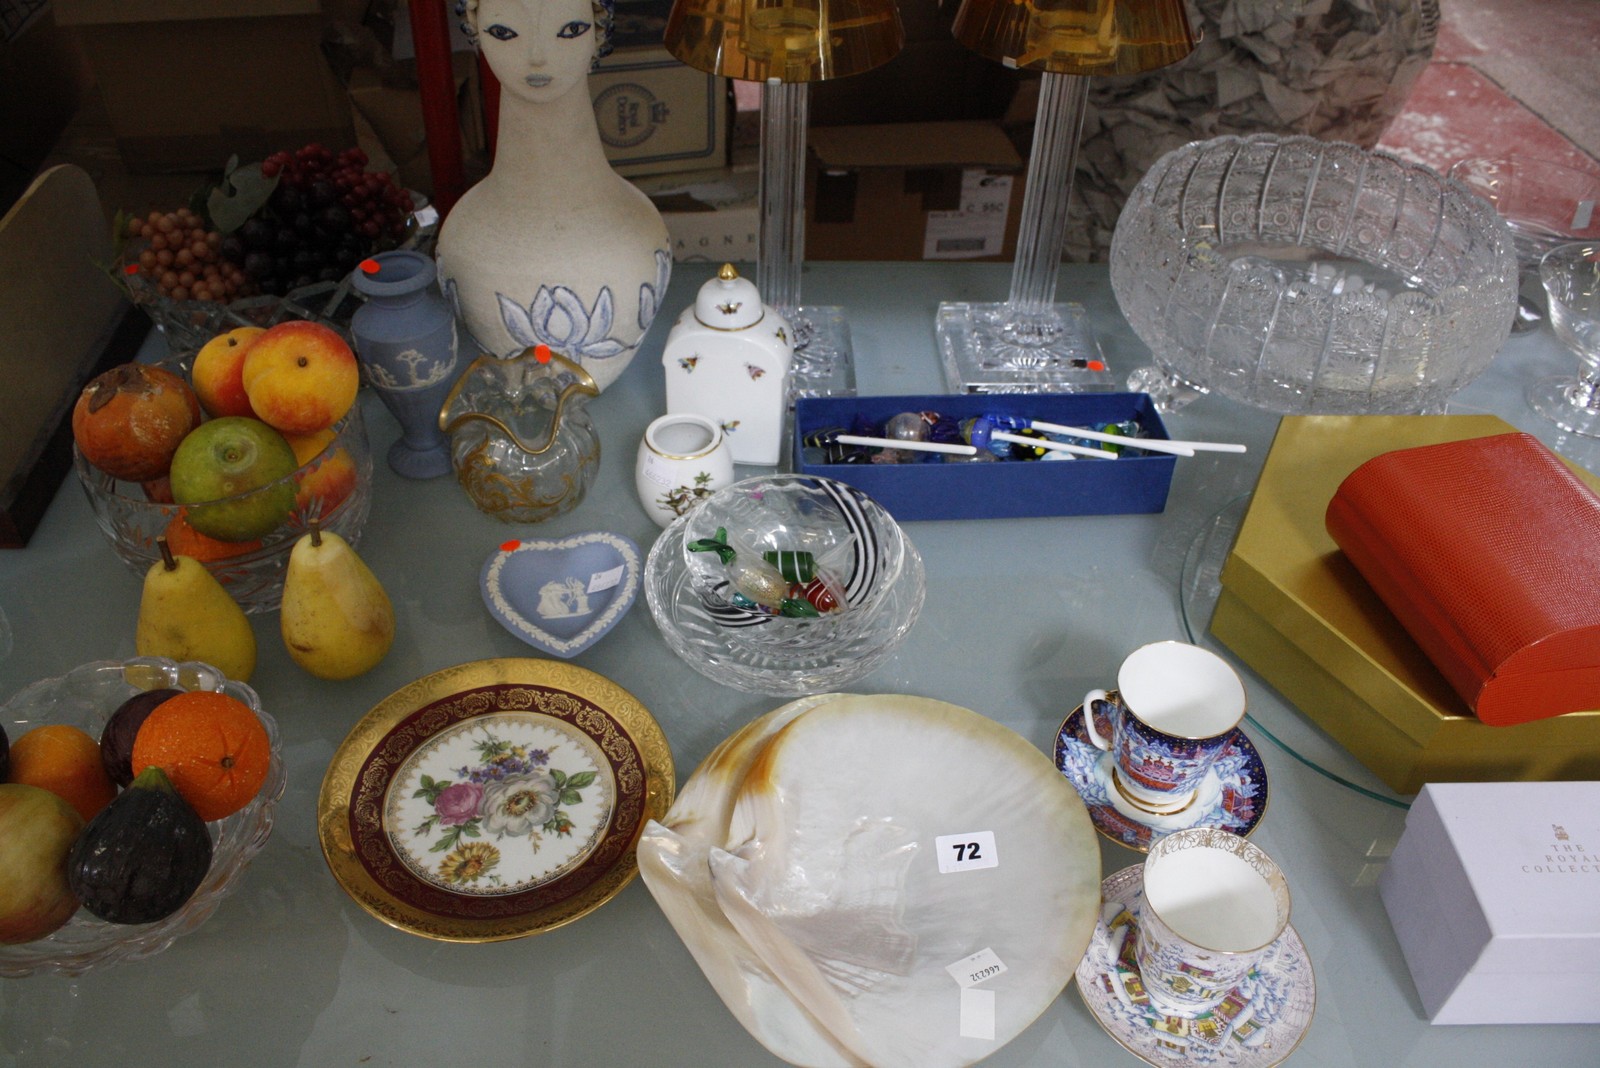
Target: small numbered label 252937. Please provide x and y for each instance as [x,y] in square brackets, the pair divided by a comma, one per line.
[966,852]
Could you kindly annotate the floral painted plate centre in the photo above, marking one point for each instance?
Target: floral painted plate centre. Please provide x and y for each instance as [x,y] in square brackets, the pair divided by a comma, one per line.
[499,804]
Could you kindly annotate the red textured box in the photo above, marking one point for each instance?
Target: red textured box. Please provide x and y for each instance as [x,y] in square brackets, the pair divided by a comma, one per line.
[1487,551]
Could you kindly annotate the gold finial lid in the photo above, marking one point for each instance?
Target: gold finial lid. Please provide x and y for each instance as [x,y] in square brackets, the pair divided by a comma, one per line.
[728,302]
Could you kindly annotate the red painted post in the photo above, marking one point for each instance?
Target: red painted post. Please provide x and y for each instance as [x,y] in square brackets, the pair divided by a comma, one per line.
[430,30]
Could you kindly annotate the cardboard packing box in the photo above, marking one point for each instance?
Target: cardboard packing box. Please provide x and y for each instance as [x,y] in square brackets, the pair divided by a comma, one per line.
[912,191]
[187,83]
[1297,611]
[1494,894]
[711,216]
[657,115]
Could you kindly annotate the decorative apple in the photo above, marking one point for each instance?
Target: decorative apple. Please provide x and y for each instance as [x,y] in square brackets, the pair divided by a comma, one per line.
[300,377]
[218,372]
[233,474]
[37,830]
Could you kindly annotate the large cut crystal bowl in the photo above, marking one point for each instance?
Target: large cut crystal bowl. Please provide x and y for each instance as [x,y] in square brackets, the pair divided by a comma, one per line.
[1304,276]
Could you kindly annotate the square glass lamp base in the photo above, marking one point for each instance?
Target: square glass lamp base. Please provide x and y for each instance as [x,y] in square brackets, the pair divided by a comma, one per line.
[823,365]
[993,348]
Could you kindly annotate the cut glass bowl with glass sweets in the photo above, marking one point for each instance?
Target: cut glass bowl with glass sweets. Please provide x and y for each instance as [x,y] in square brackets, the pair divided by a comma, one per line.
[785,584]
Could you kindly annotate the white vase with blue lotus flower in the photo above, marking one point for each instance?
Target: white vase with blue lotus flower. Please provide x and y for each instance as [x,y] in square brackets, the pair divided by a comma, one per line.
[552,247]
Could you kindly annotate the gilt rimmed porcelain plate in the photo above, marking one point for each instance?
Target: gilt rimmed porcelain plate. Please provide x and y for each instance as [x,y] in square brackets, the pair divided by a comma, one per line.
[1232,796]
[1257,1025]
[493,800]
[562,595]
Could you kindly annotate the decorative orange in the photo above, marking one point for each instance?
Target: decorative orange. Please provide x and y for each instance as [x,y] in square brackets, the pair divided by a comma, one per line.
[212,747]
[184,540]
[66,761]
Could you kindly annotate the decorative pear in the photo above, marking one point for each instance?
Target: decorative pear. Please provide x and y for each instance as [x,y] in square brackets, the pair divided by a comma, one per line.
[336,618]
[185,614]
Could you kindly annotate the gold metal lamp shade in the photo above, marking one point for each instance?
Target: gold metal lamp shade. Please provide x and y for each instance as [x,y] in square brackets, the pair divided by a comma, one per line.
[1077,36]
[785,45]
[790,40]
[1030,343]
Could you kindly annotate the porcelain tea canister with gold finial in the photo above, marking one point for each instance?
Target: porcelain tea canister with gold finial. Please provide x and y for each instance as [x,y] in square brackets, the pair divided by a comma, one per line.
[727,358]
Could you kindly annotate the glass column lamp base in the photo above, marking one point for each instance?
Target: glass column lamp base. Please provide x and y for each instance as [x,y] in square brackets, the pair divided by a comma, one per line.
[824,365]
[999,348]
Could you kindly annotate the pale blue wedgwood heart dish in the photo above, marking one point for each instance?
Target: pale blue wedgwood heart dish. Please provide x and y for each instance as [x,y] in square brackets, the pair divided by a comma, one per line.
[562,595]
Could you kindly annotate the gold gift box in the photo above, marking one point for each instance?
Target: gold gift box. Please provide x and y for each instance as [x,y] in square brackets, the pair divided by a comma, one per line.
[1297,611]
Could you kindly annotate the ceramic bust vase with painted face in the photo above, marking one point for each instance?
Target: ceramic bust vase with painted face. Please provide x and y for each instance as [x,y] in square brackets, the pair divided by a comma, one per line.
[553,247]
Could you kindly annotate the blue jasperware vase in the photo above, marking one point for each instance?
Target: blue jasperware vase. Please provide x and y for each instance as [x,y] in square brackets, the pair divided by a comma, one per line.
[405,336]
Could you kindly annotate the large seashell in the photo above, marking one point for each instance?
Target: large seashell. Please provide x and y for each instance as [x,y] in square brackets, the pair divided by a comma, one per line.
[826,877]
[674,864]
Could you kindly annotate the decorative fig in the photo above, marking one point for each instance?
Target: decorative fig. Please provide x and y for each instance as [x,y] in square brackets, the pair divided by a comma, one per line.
[143,856]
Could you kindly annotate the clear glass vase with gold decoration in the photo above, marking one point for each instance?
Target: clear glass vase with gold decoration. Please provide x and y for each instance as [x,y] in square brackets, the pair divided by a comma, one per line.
[522,444]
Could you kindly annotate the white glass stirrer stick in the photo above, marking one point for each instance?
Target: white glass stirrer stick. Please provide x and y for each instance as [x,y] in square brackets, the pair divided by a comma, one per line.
[1178,448]
[1053,446]
[910,446]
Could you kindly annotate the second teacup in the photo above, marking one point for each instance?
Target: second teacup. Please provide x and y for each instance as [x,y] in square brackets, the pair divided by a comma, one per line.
[1212,906]
[1171,714]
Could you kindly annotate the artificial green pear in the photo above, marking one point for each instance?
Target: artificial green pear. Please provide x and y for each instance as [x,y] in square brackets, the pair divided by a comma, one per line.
[185,614]
[336,618]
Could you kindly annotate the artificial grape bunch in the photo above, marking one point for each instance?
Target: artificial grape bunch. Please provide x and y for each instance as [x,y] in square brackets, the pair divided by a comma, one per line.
[324,216]
[181,257]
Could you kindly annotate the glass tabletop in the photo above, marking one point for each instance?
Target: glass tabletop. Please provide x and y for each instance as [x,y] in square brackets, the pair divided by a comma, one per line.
[1022,617]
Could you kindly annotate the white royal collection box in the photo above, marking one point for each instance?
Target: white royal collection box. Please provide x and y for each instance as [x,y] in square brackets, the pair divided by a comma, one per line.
[1494,894]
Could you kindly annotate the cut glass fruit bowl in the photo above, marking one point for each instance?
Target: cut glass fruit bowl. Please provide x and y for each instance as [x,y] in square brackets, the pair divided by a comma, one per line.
[86,697]
[334,487]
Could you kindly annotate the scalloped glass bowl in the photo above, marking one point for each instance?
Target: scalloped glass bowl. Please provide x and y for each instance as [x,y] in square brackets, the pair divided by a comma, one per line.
[853,538]
[1303,276]
[86,697]
[131,522]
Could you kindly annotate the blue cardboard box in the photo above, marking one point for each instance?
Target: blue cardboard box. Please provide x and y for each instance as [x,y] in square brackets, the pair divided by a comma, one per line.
[1134,482]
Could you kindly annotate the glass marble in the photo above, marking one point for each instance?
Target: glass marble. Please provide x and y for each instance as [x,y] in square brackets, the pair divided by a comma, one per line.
[907,426]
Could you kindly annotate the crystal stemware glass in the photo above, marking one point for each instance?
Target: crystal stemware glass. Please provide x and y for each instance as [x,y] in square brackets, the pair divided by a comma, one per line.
[1544,203]
[1571,277]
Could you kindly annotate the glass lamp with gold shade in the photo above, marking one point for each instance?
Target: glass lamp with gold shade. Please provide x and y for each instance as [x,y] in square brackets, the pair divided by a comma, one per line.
[785,45]
[1031,343]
